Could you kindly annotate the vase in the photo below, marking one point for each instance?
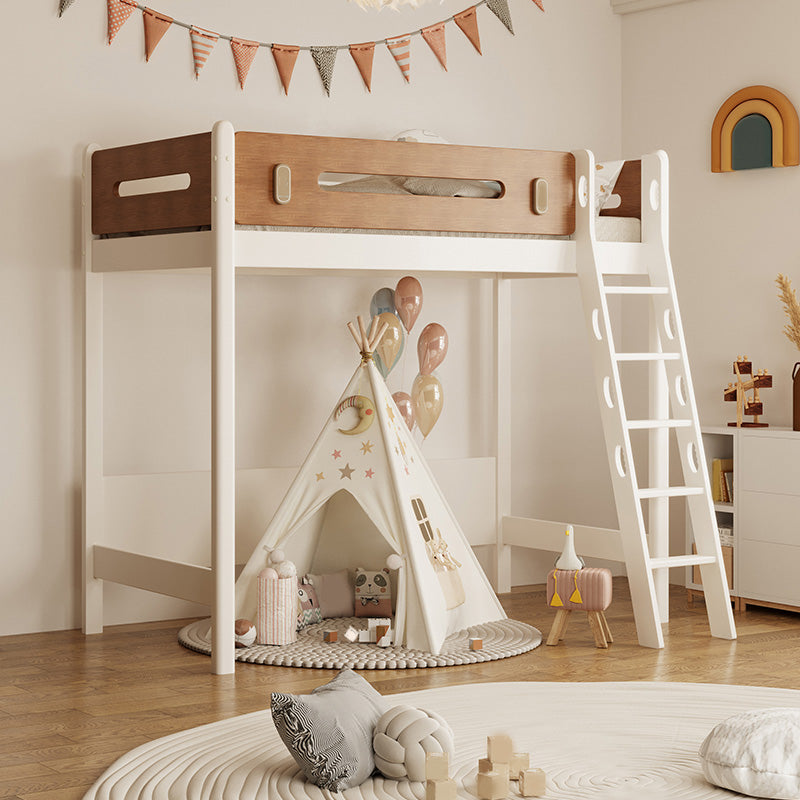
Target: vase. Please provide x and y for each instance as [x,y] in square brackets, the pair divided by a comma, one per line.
[796,397]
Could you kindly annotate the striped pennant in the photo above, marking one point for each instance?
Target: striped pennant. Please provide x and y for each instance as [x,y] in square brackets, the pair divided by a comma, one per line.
[244,51]
[203,43]
[434,36]
[400,48]
[500,9]
[363,55]
[325,59]
[118,13]
[468,22]
[285,56]
[156,25]
[63,6]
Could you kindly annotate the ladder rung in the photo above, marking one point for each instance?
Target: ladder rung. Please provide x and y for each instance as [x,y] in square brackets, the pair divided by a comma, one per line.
[649,290]
[647,356]
[639,424]
[681,561]
[671,491]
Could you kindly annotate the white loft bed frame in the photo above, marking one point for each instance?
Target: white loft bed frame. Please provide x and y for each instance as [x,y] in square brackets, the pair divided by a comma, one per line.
[226,251]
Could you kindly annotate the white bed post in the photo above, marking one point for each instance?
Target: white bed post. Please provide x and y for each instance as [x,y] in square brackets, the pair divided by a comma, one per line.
[93,485]
[223,433]
[502,399]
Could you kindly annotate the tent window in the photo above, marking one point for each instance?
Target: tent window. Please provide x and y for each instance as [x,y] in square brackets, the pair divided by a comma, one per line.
[422,518]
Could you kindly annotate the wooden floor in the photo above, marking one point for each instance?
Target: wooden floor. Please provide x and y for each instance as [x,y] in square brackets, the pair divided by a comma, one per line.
[69,704]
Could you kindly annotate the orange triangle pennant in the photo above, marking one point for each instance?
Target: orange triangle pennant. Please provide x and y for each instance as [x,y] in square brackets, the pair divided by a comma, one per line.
[285,56]
[363,55]
[203,42]
[434,36]
[400,48]
[118,13]
[156,25]
[539,3]
[468,22]
[244,51]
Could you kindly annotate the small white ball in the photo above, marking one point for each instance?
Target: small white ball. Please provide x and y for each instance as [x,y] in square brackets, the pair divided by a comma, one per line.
[276,556]
[394,561]
[286,569]
[268,572]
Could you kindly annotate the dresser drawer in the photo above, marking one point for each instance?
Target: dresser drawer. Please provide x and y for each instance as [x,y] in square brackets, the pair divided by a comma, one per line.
[768,464]
[765,517]
[769,572]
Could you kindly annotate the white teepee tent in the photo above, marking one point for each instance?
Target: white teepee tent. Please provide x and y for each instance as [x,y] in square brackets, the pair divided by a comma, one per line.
[441,588]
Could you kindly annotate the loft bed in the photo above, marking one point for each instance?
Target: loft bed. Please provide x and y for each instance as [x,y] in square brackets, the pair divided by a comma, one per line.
[255,203]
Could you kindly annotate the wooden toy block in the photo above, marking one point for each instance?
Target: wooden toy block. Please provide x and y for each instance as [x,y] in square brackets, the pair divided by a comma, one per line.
[381,631]
[440,790]
[499,748]
[351,634]
[330,636]
[492,786]
[532,783]
[386,640]
[475,643]
[519,763]
[486,765]
[365,637]
[437,766]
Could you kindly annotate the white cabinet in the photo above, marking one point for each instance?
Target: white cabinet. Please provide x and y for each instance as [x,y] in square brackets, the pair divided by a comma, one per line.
[764,514]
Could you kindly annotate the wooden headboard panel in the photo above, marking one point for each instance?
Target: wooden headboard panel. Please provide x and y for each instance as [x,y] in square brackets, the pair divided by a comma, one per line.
[629,189]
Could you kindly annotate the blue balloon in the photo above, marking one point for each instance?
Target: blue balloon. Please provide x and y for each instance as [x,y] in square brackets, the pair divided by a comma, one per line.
[382,300]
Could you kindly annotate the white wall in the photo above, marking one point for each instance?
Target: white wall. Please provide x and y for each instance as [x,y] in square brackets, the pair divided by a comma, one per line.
[731,233]
[555,85]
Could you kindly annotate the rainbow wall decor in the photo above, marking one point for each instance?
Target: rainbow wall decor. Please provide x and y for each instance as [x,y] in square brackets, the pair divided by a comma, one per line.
[755,127]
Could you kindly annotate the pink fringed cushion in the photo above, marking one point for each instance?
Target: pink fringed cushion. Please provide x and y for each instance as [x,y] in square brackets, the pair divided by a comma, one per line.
[588,588]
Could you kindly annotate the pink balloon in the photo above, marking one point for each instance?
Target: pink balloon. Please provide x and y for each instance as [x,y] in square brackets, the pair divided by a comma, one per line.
[406,408]
[431,347]
[408,301]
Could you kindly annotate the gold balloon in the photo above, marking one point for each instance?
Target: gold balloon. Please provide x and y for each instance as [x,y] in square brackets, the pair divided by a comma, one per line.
[428,398]
[390,346]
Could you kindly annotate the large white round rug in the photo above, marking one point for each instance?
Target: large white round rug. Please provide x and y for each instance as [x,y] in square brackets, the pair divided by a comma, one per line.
[610,741]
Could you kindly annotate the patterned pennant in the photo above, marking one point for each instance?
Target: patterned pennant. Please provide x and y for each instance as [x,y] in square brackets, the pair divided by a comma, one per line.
[500,9]
[325,58]
[285,55]
[203,43]
[244,51]
[400,48]
[434,36]
[156,25]
[539,3]
[363,55]
[118,13]
[468,22]
[63,6]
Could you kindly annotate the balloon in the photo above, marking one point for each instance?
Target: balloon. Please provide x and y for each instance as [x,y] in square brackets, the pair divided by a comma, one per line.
[382,300]
[406,407]
[390,346]
[408,301]
[431,347]
[428,400]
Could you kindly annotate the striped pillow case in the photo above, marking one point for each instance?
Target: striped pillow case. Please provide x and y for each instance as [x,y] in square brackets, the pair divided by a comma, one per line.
[329,732]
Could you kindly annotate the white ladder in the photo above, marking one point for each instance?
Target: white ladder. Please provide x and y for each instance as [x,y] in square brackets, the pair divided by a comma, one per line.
[647,557]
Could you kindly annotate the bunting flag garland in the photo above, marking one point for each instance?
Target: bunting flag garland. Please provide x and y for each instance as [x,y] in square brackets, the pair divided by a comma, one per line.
[63,6]
[467,20]
[155,26]
[285,55]
[500,9]
[539,3]
[203,42]
[434,36]
[363,54]
[400,48]
[118,13]
[244,51]
[325,58]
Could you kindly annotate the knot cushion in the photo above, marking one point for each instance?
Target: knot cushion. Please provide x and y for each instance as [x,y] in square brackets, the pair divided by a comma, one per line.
[755,753]
[403,738]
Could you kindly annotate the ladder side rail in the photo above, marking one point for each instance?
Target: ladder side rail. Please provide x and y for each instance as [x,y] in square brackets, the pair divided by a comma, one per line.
[502,401]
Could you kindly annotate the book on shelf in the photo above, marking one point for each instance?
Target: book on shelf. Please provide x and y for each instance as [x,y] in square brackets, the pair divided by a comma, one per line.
[719,466]
[728,476]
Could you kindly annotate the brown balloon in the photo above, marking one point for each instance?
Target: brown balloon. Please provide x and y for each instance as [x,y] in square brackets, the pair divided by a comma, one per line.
[431,347]
[428,400]
[406,407]
[408,301]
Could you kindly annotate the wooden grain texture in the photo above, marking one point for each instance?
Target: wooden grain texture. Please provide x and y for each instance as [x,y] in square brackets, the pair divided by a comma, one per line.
[309,156]
[70,705]
[629,189]
[178,209]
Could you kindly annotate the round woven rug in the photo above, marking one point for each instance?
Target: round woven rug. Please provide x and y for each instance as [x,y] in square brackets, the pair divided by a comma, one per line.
[501,639]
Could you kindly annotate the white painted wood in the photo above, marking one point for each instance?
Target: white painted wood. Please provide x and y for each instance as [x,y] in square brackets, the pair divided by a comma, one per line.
[643,424]
[502,400]
[768,571]
[93,500]
[668,562]
[769,464]
[634,6]
[669,491]
[223,410]
[538,534]
[768,517]
[171,578]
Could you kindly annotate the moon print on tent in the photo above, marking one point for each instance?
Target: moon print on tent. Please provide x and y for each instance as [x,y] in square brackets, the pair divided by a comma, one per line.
[444,565]
[365,410]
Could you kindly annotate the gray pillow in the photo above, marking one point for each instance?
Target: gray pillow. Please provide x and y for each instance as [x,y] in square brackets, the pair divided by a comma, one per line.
[329,732]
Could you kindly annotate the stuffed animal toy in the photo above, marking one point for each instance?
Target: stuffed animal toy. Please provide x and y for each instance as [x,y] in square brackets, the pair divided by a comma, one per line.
[373,593]
[309,605]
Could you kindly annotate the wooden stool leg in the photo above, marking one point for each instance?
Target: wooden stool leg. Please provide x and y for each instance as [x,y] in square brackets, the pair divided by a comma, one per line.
[559,626]
[597,629]
[606,629]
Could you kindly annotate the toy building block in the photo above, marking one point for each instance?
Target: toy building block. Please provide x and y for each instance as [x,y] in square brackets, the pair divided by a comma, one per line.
[330,636]
[486,765]
[351,634]
[437,766]
[365,636]
[492,786]
[440,790]
[499,748]
[381,631]
[532,783]
[386,639]
[475,643]
[519,763]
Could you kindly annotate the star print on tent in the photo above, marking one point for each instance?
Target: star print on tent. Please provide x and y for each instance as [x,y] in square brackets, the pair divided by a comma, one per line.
[347,472]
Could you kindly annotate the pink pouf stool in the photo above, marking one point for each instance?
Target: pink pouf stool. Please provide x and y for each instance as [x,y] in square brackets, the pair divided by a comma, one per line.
[588,589]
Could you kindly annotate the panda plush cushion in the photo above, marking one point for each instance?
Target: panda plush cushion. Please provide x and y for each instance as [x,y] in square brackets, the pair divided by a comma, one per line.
[373,593]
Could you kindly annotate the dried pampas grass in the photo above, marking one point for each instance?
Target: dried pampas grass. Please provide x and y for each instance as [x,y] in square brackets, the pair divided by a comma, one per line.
[788,297]
[395,5]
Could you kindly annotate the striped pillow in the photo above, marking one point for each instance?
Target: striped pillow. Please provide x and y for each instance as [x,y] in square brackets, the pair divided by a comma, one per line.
[329,732]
